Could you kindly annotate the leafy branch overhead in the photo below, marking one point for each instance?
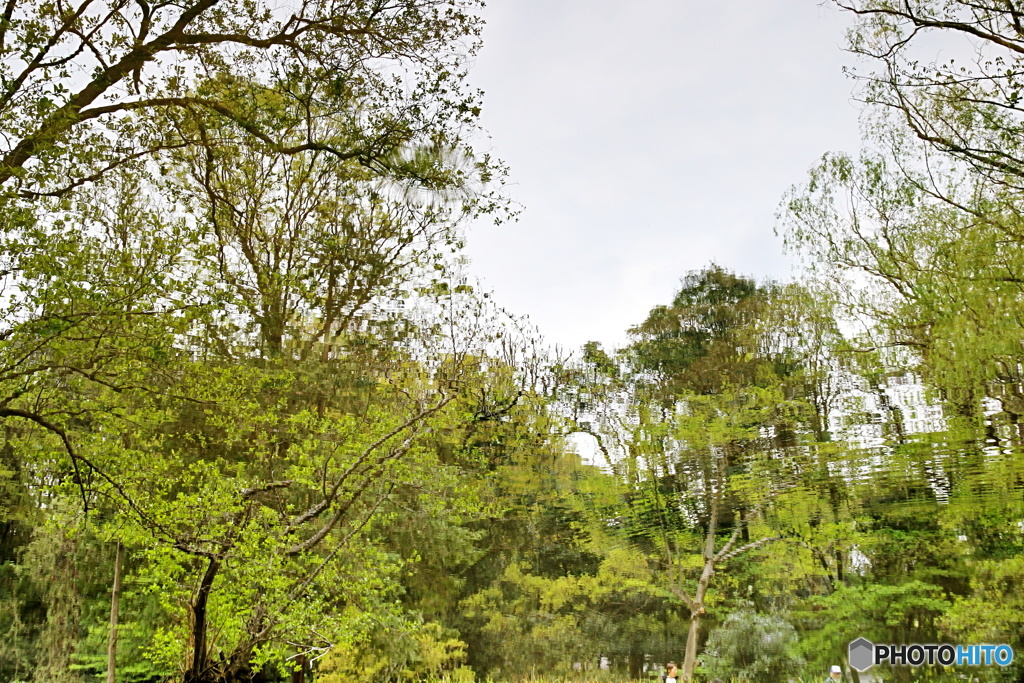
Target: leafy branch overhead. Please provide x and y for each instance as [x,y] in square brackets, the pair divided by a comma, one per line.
[84,85]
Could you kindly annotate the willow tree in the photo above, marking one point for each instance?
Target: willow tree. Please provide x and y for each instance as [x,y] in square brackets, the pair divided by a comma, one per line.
[926,258]
[964,101]
[920,238]
[921,235]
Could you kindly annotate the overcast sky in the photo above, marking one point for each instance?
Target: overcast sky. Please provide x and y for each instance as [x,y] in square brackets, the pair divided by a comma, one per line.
[647,138]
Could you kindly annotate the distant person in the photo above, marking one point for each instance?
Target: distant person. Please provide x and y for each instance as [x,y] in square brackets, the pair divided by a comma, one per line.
[671,673]
[835,674]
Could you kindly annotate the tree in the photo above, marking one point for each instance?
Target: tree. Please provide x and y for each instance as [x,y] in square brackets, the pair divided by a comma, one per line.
[369,83]
[695,473]
[922,259]
[82,82]
[920,239]
[921,235]
[233,339]
[705,340]
[970,111]
[711,404]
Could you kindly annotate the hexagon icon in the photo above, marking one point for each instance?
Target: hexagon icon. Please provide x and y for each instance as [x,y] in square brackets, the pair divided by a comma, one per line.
[862,654]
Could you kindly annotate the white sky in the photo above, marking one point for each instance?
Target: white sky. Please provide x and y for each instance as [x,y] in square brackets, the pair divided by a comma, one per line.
[647,138]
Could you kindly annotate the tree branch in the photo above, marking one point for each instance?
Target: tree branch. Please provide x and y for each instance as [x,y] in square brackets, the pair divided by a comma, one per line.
[749,546]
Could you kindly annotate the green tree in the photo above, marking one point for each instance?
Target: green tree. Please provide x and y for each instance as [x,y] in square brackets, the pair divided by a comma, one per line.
[218,372]
[936,284]
[921,236]
[965,106]
[714,403]
[82,82]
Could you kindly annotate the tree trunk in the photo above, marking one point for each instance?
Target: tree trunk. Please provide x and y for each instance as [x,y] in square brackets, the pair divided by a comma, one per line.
[697,605]
[199,621]
[115,598]
[690,659]
[299,673]
[636,664]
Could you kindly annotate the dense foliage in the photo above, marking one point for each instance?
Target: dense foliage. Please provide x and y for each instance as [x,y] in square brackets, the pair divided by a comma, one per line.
[255,425]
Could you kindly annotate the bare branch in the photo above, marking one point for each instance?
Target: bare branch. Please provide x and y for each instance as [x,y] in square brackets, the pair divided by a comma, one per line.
[749,546]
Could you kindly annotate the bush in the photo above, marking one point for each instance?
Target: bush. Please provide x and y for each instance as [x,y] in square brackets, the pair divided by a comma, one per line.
[753,647]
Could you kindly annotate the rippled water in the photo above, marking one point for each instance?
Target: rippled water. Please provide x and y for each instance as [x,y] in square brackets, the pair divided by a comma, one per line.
[959,483]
